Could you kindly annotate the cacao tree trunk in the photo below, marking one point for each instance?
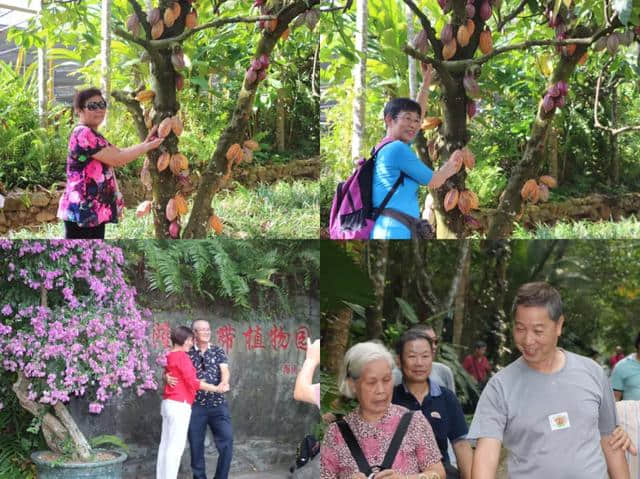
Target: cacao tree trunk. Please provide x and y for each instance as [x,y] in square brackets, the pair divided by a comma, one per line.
[335,346]
[359,80]
[453,136]
[501,225]
[218,172]
[552,143]
[165,183]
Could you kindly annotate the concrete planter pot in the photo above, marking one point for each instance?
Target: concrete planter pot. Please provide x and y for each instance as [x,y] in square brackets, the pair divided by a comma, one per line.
[106,469]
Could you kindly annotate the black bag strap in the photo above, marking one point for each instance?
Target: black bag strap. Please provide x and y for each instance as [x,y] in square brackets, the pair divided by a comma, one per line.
[396,185]
[392,452]
[396,441]
[388,196]
[354,447]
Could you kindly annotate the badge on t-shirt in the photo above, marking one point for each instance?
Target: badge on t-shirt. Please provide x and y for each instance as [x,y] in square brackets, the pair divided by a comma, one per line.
[559,421]
[436,414]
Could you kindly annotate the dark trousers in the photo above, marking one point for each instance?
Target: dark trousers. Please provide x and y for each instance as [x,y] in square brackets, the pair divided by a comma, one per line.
[219,420]
[73,231]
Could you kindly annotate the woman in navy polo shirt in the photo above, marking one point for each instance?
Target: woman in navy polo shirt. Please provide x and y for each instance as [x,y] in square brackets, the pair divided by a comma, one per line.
[439,404]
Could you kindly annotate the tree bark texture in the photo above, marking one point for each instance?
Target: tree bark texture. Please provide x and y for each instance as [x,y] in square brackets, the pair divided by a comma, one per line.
[335,346]
[359,80]
[378,252]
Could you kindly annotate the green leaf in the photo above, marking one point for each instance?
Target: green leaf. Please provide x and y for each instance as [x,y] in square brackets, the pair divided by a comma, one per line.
[408,311]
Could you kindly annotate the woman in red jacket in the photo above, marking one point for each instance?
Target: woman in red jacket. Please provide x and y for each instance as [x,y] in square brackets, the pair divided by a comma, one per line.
[177,401]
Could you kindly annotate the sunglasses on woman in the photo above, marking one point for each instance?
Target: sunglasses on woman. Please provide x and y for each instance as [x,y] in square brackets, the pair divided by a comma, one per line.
[96,105]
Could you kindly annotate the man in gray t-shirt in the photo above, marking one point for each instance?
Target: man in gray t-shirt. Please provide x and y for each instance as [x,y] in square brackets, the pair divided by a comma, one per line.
[553,410]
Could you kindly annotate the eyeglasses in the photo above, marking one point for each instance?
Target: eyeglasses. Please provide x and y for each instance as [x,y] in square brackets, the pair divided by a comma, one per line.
[96,105]
[408,119]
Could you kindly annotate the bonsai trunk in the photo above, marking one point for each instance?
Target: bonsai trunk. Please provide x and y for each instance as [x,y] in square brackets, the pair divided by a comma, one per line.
[57,428]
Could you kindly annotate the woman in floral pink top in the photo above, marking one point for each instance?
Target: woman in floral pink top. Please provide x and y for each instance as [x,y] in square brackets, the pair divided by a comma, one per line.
[366,375]
[91,197]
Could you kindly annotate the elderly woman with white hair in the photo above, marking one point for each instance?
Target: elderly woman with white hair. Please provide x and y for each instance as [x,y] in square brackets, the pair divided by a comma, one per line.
[369,443]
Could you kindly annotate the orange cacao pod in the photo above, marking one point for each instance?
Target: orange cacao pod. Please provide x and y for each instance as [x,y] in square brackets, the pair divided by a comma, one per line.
[451,199]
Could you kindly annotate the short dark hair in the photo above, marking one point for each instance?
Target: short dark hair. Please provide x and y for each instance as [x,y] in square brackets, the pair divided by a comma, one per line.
[423,327]
[180,334]
[411,335]
[638,341]
[480,344]
[81,97]
[539,294]
[397,105]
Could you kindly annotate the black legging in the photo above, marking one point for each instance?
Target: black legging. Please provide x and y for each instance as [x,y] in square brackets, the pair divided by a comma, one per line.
[73,231]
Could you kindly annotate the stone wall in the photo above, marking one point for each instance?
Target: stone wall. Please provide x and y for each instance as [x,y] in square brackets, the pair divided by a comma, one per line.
[24,209]
[264,358]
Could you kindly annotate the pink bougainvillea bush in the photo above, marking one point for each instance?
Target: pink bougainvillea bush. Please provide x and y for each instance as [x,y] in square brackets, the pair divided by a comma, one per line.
[69,321]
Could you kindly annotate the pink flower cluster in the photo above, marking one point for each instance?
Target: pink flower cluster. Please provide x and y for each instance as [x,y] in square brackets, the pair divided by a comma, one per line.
[91,339]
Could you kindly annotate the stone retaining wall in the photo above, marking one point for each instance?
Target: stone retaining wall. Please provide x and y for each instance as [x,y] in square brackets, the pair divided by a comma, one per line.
[30,209]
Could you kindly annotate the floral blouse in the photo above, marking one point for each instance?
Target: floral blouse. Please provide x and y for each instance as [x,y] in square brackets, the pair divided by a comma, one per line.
[417,452]
[91,196]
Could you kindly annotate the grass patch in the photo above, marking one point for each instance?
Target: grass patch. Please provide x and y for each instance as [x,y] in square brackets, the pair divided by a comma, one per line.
[628,228]
[280,210]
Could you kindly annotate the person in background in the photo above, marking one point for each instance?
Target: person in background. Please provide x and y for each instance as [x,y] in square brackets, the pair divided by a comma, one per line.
[625,378]
[439,371]
[176,403]
[477,364]
[209,408]
[419,392]
[304,389]
[618,356]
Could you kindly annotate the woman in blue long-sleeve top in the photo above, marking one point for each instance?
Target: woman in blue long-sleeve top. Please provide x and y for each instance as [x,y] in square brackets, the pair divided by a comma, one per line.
[403,117]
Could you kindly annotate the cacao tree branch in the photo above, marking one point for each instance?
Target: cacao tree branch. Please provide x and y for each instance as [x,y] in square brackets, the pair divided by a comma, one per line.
[596,104]
[218,171]
[426,25]
[445,76]
[164,42]
[134,108]
[142,17]
[458,66]
[512,15]
[501,223]
[128,36]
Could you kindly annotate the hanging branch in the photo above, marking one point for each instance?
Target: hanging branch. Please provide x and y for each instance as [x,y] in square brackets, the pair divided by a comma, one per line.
[596,104]
[213,24]
[458,66]
[512,15]
[134,108]
[424,21]
[142,17]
